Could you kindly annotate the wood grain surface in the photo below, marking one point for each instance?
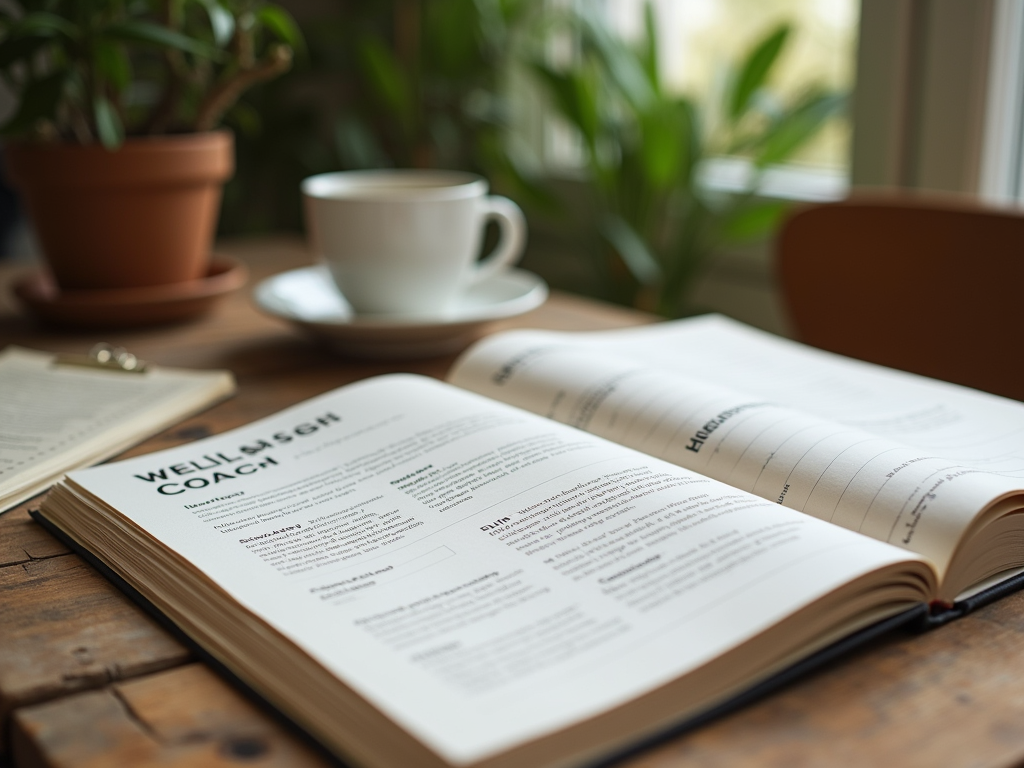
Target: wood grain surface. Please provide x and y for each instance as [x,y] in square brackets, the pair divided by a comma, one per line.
[65,629]
[86,679]
[184,717]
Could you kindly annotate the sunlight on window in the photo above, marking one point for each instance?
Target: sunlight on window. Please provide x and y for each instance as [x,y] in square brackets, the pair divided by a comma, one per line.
[698,39]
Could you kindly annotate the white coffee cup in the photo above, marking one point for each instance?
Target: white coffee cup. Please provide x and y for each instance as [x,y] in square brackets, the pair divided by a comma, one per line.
[406,242]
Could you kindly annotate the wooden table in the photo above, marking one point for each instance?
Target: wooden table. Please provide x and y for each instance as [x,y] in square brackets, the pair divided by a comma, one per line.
[86,679]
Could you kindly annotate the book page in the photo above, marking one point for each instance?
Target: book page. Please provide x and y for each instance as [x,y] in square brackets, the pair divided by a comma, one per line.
[899,458]
[481,575]
[59,417]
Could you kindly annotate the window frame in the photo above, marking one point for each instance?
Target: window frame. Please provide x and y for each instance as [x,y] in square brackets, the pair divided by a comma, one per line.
[924,77]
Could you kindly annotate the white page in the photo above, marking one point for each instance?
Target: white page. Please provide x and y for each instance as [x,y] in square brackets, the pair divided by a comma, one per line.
[467,566]
[58,417]
[894,456]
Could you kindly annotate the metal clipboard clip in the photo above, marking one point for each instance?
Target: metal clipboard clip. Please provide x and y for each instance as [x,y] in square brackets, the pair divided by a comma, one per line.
[105,357]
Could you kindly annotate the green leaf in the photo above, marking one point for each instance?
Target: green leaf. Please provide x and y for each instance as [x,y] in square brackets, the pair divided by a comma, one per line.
[108,123]
[389,82]
[755,69]
[649,51]
[665,146]
[796,127]
[574,95]
[585,88]
[39,101]
[493,18]
[621,65]
[222,21]
[113,64]
[561,91]
[753,222]
[633,250]
[282,25]
[695,148]
[451,30]
[156,35]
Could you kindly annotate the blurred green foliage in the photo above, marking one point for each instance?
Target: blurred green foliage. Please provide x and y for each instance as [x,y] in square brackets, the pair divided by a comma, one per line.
[425,83]
[87,71]
[644,148]
[407,83]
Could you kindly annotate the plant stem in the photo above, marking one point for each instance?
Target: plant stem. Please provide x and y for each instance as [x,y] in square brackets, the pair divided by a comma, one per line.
[684,262]
[226,93]
[161,116]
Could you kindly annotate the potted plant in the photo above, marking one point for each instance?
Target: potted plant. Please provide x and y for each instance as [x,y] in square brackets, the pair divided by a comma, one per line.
[644,148]
[115,144]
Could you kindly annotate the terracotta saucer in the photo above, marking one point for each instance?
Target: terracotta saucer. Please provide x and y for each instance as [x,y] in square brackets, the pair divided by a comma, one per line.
[128,307]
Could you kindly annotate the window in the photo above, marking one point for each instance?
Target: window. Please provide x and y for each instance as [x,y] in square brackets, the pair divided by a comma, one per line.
[698,41]
[1002,159]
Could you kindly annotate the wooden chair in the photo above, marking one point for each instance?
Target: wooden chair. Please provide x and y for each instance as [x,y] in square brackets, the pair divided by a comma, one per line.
[929,286]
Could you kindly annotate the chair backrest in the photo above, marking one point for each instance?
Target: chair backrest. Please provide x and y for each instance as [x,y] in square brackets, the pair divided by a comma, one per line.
[928,286]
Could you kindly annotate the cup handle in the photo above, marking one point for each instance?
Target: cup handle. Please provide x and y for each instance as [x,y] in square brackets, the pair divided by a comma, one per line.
[511,242]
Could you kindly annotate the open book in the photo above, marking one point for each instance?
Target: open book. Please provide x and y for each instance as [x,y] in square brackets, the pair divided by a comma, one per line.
[421,575]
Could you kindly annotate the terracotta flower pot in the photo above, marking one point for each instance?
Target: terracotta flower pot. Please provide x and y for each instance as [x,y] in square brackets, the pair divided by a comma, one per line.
[141,215]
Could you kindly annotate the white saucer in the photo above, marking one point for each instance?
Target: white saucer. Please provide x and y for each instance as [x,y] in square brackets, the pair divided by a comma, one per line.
[309,298]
